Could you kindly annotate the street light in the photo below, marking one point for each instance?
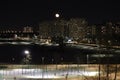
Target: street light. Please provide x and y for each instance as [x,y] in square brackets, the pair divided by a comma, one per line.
[43,67]
[27,56]
[26,52]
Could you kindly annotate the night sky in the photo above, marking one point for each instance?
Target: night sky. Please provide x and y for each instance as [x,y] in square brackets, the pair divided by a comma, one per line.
[31,12]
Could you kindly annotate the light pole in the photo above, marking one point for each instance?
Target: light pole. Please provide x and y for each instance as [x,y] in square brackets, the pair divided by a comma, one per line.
[43,60]
[62,60]
[43,67]
[13,59]
[87,59]
[27,56]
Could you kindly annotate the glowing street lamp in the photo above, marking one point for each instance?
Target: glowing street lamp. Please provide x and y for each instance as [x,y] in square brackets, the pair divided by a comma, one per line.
[27,56]
[26,52]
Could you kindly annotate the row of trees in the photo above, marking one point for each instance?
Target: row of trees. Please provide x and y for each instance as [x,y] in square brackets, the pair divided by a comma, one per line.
[73,28]
[79,30]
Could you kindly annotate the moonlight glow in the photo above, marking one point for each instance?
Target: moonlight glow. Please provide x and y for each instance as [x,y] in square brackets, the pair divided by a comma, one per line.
[57,15]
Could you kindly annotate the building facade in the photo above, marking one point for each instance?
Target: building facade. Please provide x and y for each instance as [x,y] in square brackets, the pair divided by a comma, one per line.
[11,32]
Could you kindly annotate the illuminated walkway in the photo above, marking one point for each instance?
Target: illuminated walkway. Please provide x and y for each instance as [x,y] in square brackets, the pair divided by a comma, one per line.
[54,72]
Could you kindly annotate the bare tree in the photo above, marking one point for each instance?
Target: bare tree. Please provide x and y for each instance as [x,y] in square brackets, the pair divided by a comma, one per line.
[77,28]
